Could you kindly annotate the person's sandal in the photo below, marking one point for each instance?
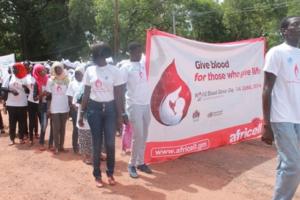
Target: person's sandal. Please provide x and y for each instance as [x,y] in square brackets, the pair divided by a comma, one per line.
[42,148]
[103,157]
[22,141]
[12,142]
[99,183]
[88,161]
[111,180]
[56,151]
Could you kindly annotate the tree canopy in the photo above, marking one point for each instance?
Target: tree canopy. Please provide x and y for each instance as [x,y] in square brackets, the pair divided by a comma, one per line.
[56,29]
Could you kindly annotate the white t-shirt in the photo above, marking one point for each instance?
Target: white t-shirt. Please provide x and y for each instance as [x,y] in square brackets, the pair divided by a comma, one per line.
[102,81]
[59,99]
[31,87]
[73,89]
[284,62]
[134,74]
[15,83]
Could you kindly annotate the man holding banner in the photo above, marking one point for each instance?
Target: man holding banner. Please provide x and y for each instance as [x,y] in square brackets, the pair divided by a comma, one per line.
[281,107]
[137,103]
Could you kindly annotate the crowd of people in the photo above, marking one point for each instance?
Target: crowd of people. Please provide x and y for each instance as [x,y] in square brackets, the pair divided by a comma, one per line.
[41,97]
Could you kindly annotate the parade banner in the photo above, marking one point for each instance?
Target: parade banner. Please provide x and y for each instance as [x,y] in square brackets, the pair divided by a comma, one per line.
[5,62]
[202,95]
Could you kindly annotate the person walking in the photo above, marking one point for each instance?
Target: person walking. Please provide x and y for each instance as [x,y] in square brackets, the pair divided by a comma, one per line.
[137,106]
[281,107]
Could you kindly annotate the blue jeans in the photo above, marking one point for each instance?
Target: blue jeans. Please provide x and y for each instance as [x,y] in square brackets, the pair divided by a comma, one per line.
[43,121]
[287,141]
[102,120]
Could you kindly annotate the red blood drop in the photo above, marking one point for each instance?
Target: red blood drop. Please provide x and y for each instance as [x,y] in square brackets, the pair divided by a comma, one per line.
[171,97]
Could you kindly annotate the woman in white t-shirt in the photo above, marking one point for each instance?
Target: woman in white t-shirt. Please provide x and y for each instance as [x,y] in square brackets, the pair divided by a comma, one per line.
[39,94]
[102,102]
[16,102]
[58,106]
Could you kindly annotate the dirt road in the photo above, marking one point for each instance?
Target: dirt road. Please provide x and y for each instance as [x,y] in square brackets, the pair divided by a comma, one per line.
[239,172]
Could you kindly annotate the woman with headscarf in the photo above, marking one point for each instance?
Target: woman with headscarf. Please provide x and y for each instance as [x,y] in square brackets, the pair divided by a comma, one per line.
[39,94]
[16,103]
[58,106]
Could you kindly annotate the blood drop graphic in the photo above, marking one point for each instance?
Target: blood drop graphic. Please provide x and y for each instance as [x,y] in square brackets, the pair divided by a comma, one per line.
[171,98]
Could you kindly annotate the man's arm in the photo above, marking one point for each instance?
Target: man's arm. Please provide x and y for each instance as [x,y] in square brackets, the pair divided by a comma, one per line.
[84,103]
[269,81]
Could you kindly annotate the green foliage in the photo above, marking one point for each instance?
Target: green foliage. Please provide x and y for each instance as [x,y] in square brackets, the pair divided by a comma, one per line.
[206,20]
[253,18]
[293,9]
[8,36]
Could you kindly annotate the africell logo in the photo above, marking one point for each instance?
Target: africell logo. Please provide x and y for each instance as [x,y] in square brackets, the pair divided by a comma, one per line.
[171,98]
[245,133]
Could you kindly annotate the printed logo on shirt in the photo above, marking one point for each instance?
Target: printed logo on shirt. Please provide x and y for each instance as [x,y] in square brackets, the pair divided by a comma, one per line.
[59,90]
[98,84]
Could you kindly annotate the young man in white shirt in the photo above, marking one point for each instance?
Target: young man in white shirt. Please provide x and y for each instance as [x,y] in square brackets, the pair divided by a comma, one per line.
[281,107]
[73,90]
[137,106]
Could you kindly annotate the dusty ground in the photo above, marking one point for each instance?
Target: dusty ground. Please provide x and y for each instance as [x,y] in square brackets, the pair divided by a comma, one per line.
[239,172]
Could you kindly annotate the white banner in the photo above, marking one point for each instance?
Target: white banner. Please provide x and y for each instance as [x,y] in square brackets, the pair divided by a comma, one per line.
[5,62]
[203,95]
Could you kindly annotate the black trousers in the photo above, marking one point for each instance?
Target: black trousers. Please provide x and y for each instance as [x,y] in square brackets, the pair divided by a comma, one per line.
[33,110]
[75,144]
[1,122]
[17,115]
